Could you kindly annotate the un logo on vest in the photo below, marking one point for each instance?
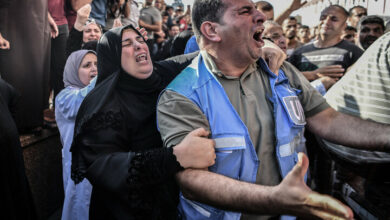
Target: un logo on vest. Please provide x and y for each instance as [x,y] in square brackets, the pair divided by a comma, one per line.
[295,110]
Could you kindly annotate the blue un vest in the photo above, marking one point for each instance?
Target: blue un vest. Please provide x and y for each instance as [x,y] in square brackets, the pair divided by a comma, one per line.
[236,156]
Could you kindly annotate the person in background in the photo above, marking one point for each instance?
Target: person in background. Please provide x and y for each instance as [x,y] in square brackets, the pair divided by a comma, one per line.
[349,34]
[354,15]
[267,8]
[84,30]
[150,19]
[80,69]
[58,56]
[329,55]
[304,34]
[290,31]
[134,14]
[16,198]
[116,10]
[370,28]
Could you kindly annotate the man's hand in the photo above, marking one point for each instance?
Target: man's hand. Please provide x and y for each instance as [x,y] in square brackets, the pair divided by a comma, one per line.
[327,82]
[273,55]
[333,71]
[296,4]
[53,26]
[296,198]
[82,17]
[196,150]
[4,44]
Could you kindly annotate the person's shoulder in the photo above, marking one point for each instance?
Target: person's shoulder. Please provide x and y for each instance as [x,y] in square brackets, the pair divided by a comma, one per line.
[304,48]
[350,46]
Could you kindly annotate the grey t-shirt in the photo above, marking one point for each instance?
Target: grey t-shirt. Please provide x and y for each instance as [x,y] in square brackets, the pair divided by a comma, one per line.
[177,115]
[309,57]
[150,15]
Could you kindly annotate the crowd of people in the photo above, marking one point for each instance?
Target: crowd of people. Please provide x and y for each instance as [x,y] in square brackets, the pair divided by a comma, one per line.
[204,112]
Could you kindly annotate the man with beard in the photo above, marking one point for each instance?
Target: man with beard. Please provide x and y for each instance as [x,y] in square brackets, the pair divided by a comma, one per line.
[329,55]
[290,31]
[370,28]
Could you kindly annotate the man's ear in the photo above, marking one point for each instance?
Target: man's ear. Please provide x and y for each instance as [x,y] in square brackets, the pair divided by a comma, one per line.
[208,30]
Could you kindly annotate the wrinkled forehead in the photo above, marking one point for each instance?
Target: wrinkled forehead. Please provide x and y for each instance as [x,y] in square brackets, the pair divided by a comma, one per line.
[129,33]
[273,29]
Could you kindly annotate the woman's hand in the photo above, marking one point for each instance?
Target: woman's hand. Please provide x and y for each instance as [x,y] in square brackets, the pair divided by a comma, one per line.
[195,150]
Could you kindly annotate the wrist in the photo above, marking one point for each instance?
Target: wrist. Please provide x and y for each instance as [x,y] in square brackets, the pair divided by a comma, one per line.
[177,151]
[79,23]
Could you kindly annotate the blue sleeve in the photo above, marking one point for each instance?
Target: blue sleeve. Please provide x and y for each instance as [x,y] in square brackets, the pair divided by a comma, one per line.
[68,101]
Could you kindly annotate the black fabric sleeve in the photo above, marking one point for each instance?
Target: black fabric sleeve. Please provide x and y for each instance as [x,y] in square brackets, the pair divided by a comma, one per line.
[171,67]
[75,40]
[109,163]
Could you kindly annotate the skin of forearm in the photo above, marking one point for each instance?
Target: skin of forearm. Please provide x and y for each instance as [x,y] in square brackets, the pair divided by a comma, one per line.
[283,16]
[351,131]
[310,75]
[226,193]
[150,27]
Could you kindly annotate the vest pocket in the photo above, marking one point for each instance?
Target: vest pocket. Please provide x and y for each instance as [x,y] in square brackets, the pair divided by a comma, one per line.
[189,210]
[229,151]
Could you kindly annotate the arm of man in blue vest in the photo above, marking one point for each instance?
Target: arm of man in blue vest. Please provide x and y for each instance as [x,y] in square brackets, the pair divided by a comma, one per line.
[177,116]
[291,196]
[350,131]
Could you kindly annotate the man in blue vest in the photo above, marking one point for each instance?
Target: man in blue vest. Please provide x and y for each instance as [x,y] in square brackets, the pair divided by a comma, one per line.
[256,117]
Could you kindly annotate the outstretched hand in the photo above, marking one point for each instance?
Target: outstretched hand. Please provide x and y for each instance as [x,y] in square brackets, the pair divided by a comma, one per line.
[196,150]
[298,199]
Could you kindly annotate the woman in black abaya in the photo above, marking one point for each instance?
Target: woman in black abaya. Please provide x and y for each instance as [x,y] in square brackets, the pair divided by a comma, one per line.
[15,195]
[117,145]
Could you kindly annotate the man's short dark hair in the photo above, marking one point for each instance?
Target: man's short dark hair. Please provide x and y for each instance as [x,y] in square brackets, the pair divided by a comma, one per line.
[304,27]
[168,7]
[164,13]
[343,10]
[372,19]
[357,6]
[350,28]
[264,6]
[206,10]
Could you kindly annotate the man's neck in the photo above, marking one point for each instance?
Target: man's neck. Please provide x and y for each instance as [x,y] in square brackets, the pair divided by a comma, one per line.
[228,65]
[291,43]
[327,41]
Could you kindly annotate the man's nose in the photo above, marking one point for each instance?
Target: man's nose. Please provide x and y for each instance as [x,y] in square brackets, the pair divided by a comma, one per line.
[259,17]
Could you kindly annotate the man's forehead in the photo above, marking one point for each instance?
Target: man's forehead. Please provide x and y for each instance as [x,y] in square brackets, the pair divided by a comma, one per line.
[334,11]
[236,4]
[358,10]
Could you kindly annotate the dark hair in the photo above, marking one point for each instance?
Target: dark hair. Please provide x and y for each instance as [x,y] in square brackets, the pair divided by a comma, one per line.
[168,7]
[164,13]
[304,27]
[343,10]
[174,25]
[292,18]
[350,28]
[264,6]
[90,45]
[372,19]
[206,10]
[357,6]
